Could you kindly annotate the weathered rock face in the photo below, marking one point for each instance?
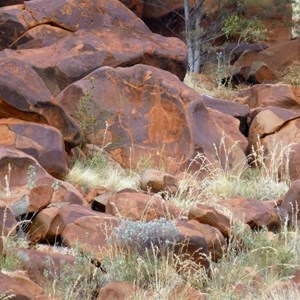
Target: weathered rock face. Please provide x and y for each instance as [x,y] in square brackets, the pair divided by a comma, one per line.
[40,36]
[211,216]
[278,131]
[70,15]
[11,288]
[280,95]
[149,112]
[84,37]
[36,263]
[253,212]
[23,95]
[291,201]
[192,243]
[157,181]
[140,206]
[90,234]
[14,165]
[75,56]
[276,57]
[42,142]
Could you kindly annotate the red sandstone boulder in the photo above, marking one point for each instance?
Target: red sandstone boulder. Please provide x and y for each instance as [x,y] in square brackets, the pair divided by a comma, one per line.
[14,166]
[277,57]
[149,112]
[21,277]
[279,95]
[140,206]
[291,202]
[209,215]
[90,234]
[55,220]
[215,240]
[191,244]
[73,57]
[23,95]
[157,181]
[44,267]
[43,142]
[70,15]
[12,289]
[253,212]
[277,130]
[39,37]
[39,226]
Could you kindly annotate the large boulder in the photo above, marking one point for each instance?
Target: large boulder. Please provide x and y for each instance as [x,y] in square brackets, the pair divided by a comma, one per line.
[140,206]
[210,215]
[277,57]
[20,172]
[143,111]
[43,142]
[277,130]
[90,234]
[255,213]
[40,36]
[279,95]
[69,15]
[23,95]
[73,57]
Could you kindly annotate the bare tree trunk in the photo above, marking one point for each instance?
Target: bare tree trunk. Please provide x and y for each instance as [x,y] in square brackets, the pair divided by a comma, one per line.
[192,18]
[188,34]
[197,37]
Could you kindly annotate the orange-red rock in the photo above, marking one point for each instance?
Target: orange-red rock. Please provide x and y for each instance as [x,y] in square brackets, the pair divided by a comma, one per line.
[43,142]
[156,181]
[291,201]
[44,266]
[277,130]
[75,56]
[171,126]
[192,244]
[90,234]
[32,101]
[66,214]
[140,206]
[253,212]
[209,215]
[21,277]
[40,36]
[14,164]
[279,95]
[11,289]
[277,57]
[38,228]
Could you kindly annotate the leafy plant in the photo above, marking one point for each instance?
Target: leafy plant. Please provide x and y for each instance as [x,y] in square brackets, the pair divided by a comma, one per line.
[84,115]
[31,174]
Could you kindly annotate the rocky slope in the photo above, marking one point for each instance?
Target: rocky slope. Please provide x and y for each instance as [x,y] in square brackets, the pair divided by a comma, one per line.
[54,54]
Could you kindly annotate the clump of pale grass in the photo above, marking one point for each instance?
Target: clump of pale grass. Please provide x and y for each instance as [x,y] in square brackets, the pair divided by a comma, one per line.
[97,172]
[291,75]
[266,177]
[210,89]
